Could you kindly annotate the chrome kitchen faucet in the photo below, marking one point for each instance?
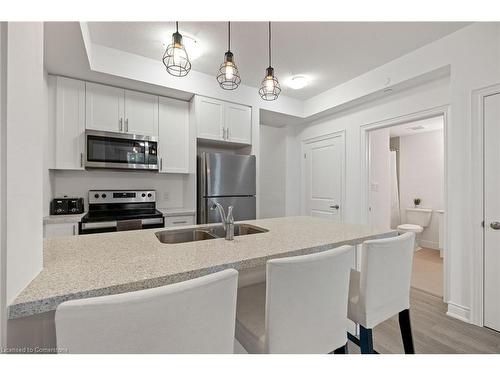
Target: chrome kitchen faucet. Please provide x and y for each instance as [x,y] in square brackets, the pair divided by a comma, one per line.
[227,220]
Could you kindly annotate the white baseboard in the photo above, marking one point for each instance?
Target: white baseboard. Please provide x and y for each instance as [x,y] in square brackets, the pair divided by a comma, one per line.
[429,244]
[458,312]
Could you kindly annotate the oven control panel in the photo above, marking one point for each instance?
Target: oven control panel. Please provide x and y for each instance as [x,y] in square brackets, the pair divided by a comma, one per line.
[121,196]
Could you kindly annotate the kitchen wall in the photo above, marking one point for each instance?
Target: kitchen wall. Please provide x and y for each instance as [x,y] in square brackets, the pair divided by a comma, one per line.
[3,183]
[26,119]
[422,176]
[173,190]
[272,171]
[380,179]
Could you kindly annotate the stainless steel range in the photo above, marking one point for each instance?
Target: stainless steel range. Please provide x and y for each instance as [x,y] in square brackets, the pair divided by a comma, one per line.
[119,210]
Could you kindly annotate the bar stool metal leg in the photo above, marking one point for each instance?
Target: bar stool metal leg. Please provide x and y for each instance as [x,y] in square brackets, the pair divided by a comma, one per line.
[366,340]
[406,335]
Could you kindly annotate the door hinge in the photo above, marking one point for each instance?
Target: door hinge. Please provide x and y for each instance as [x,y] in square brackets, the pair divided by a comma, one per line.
[305,156]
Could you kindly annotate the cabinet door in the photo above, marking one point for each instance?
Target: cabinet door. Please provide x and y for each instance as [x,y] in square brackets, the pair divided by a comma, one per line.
[104,108]
[238,122]
[173,140]
[60,230]
[178,221]
[141,113]
[209,118]
[70,123]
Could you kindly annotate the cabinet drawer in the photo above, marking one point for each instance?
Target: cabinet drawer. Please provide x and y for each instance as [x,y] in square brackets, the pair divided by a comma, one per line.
[177,221]
[60,230]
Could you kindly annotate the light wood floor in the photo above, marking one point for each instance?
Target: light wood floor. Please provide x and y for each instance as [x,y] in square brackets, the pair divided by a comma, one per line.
[428,271]
[433,331]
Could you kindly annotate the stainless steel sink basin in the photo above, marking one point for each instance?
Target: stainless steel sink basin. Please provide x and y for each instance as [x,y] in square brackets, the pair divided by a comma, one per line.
[205,233]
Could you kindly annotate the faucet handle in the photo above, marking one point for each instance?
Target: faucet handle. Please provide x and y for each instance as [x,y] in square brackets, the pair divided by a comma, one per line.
[229,216]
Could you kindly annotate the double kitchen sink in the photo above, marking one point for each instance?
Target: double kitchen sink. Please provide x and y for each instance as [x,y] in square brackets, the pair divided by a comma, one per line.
[205,233]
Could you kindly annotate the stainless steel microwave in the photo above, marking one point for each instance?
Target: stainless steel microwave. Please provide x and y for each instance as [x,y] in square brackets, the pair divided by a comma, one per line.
[120,151]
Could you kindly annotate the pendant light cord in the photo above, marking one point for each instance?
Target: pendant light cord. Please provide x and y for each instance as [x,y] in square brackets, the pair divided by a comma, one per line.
[229,36]
[176,26]
[269,43]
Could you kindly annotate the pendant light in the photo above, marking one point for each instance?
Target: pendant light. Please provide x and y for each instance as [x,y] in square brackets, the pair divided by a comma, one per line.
[270,87]
[228,75]
[175,58]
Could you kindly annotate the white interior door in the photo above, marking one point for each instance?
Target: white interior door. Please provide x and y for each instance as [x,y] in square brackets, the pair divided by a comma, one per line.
[492,212]
[323,178]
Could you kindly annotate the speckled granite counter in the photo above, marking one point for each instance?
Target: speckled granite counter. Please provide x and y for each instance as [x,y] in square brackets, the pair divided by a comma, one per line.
[110,263]
[62,219]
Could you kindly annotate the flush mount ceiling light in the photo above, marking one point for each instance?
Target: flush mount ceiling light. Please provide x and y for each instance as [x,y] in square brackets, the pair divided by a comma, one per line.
[175,58]
[228,75]
[297,82]
[270,87]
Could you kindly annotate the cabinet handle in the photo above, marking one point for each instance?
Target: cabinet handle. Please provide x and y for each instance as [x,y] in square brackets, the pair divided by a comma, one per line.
[74,229]
[161,164]
[81,159]
[227,133]
[126,125]
[121,124]
[179,222]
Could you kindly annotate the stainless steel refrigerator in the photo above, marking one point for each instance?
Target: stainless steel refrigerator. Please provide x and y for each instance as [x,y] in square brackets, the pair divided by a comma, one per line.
[229,180]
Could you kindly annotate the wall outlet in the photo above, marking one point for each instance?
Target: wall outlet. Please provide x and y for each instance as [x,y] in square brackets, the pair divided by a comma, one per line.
[165,196]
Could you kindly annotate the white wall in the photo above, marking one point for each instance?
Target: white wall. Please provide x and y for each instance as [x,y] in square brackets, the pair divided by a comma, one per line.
[3,182]
[422,176]
[272,171]
[413,100]
[172,191]
[25,122]
[380,179]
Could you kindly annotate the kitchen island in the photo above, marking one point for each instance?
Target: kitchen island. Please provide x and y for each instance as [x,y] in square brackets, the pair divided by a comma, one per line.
[109,263]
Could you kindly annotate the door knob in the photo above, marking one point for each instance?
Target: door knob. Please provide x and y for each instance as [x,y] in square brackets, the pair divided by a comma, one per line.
[336,206]
[495,225]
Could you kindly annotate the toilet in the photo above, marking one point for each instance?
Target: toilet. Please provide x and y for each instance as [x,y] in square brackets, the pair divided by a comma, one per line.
[417,220]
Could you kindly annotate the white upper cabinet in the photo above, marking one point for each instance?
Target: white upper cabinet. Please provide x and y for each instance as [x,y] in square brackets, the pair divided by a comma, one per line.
[174,136]
[238,120]
[209,118]
[69,123]
[105,108]
[141,113]
[222,121]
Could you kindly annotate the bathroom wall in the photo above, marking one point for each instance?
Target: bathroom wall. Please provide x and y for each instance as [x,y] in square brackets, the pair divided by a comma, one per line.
[173,190]
[422,176]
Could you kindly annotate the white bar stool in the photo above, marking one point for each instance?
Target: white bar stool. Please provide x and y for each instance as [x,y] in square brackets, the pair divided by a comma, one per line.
[302,307]
[382,289]
[194,316]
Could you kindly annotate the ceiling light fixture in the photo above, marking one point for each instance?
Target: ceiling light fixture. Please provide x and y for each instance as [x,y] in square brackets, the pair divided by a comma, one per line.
[175,58]
[297,82]
[228,75]
[193,47]
[270,87]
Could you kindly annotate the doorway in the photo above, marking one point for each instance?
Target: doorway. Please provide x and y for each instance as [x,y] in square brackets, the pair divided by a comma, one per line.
[404,177]
[323,166]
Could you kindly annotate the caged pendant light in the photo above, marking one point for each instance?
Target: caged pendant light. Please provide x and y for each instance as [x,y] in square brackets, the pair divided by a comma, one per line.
[228,75]
[270,87]
[175,58]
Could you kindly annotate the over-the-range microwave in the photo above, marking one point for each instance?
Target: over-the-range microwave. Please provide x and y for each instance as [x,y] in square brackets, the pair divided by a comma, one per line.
[120,150]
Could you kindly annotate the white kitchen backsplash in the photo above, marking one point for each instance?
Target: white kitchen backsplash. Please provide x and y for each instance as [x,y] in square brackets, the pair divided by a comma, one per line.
[170,188]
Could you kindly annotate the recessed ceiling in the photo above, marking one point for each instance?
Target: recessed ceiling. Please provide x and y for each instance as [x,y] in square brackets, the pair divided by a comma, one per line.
[416,127]
[329,53]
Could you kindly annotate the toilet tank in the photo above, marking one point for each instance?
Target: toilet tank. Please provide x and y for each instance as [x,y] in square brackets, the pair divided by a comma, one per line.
[418,216]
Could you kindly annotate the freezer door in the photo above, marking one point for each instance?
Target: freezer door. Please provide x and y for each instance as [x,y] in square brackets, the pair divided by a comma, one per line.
[229,175]
[244,209]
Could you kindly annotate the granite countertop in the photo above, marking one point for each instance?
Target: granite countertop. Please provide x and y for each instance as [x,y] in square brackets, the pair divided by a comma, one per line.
[109,263]
[61,219]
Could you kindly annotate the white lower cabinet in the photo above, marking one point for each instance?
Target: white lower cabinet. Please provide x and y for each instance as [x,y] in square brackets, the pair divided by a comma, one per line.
[177,221]
[60,230]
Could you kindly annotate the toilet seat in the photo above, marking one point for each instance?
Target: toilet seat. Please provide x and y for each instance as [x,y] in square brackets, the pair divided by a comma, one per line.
[410,228]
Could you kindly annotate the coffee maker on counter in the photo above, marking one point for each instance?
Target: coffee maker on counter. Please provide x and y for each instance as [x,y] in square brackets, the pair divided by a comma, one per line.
[66,206]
